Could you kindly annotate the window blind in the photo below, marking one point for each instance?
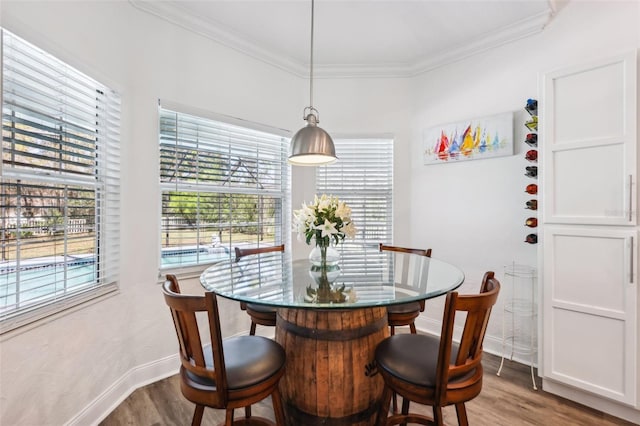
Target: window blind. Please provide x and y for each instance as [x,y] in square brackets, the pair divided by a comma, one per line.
[223,185]
[59,188]
[363,178]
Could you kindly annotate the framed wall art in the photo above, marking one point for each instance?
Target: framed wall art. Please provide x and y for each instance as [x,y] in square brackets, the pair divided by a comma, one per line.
[475,139]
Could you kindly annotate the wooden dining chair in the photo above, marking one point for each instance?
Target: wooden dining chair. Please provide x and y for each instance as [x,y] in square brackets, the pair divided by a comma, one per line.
[405,313]
[226,373]
[435,371]
[259,314]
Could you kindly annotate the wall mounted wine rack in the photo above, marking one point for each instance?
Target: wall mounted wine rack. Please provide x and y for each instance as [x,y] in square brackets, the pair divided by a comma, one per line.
[531,170]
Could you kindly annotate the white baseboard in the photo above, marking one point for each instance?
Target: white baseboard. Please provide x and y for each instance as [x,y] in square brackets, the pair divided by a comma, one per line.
[605,405]
[428,325]
[492,344]
[135,378]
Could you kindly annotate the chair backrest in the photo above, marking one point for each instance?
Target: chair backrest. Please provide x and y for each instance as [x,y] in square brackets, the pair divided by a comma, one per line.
[469,356]
[422,252]
[241,252]
[192,353]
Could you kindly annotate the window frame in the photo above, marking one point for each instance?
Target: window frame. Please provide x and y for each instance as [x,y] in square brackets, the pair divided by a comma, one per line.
[283,236]
[102,179]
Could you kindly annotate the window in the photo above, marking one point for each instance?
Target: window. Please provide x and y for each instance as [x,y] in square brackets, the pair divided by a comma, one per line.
[224,184]
[363,178]
[59,190]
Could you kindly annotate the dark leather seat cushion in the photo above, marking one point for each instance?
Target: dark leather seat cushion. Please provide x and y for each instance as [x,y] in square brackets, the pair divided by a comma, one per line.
[261,308]
[248,360]
[411,357]
[404,308]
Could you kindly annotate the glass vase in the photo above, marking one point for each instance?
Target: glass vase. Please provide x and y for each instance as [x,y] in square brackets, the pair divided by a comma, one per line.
[324,266]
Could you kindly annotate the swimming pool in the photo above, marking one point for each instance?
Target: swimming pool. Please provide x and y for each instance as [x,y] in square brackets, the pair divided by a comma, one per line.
[186,256]
[46,278]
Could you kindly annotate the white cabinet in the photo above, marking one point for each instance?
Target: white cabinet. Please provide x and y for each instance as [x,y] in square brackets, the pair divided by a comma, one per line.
[589,143]
[590,324]
[589,313]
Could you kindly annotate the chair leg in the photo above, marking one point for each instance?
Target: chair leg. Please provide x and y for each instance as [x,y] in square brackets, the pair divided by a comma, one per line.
[252,331]
[461,411]
[197,415]
[247,411]
[229,418]
[437,416]
[383,413]
[412,326]
[278,409]
[392,331]
[405,408]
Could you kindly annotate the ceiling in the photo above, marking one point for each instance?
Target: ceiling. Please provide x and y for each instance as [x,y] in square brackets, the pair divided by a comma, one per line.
[358,37]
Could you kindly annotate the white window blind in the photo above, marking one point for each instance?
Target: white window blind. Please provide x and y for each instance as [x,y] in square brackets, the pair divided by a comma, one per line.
[60,189]
[223,185]
[363,178]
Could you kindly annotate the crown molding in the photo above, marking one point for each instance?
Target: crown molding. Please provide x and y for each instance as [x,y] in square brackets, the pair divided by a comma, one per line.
[216,31]
[516,31]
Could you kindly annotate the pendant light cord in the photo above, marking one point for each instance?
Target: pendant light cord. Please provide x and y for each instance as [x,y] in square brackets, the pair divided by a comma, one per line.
[311,62]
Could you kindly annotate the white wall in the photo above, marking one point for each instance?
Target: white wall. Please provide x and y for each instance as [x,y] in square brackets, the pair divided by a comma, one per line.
[472,213]
[88,357]
[49,373]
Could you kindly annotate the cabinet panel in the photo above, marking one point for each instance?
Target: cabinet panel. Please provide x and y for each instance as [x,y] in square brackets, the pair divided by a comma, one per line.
[594,277]
[589,138]
[585,108]
[589,314]
[596,188]
[577,334]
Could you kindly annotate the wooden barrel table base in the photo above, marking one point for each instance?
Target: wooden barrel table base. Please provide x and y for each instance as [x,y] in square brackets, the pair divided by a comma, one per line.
[330,376]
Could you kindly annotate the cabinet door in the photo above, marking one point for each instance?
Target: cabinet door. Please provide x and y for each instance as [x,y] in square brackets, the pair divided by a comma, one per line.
[589,315]
[589,143]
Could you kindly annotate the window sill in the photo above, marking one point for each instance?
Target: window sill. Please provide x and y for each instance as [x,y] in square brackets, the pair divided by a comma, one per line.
[29,320]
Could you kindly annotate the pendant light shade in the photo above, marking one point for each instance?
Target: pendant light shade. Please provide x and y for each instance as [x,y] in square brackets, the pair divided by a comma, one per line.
[311,145]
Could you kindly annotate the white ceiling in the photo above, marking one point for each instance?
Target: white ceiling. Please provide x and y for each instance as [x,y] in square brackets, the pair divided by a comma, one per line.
[358,37]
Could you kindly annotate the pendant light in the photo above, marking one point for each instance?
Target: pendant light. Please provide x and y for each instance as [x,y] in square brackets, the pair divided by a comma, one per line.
[311,145]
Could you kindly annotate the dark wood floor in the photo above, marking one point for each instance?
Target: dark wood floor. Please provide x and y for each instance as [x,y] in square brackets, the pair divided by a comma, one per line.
[508,400]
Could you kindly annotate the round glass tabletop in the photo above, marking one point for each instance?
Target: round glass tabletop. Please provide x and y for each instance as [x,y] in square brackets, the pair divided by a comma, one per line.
[364,279]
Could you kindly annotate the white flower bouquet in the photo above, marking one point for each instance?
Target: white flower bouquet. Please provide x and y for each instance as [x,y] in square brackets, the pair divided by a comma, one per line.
[327,219]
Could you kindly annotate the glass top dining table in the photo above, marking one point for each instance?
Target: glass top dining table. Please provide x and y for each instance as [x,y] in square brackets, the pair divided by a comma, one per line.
[367,278]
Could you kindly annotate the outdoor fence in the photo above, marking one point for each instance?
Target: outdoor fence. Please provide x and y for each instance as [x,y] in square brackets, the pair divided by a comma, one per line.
[39,226]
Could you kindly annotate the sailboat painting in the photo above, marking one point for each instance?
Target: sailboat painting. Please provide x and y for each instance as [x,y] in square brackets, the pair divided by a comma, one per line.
[469,140]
